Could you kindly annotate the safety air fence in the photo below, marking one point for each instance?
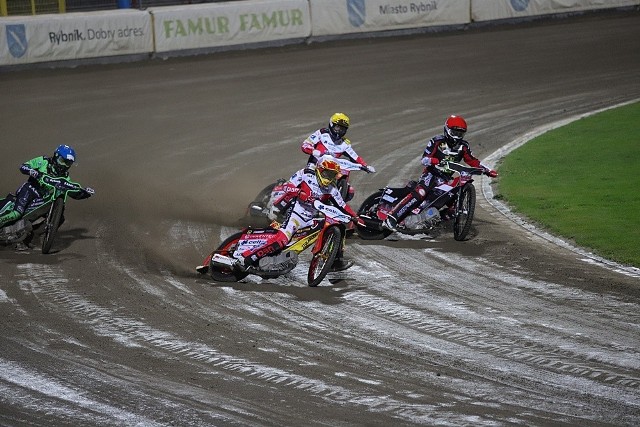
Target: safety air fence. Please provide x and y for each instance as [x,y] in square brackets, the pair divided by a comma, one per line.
[201,28]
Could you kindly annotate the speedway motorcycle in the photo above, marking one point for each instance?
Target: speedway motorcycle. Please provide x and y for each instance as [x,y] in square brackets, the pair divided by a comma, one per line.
[453,200]
[272,202]
[43,215]
[324,236]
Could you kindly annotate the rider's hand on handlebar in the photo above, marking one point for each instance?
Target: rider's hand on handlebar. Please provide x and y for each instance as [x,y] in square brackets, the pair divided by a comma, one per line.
[358,220]
[369,169]
[491,173]
[319,151]
[34,173]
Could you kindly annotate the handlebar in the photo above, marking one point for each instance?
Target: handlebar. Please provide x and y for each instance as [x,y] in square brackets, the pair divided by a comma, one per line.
[448,167]
[62,184]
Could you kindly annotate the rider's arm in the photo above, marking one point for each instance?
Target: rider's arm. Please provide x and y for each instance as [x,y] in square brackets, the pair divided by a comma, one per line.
[429,156]
[34,167]
[337,198]
[309,144]
[349,151]
[474,162]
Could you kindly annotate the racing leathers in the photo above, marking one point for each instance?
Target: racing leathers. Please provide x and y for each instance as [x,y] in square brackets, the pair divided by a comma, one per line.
[33,190]
[324,142]
[436,151]
[303,185]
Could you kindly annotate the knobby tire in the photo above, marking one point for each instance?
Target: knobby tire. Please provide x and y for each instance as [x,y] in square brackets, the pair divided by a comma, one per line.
[465,209]
[52,224]
[322,261]
[370,207]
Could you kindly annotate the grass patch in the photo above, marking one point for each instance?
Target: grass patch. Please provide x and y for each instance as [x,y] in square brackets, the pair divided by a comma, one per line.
[581,182]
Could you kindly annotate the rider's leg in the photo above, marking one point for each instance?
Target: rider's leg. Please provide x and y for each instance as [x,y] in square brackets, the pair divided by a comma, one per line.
[340,263]
[350,193]
[8,217]
[25,194]
[277,239]
[409,202]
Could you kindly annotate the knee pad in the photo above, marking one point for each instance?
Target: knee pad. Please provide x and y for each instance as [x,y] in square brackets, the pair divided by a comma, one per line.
[350,193]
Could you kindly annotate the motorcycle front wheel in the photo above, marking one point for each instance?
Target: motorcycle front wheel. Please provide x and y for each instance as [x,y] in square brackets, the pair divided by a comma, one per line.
[370,208]
[465,208]
[51,225]
[321,261]
[227,274]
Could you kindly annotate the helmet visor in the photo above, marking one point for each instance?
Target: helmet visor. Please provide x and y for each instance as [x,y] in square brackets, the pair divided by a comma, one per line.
[456,133]
[65,163]
[327,176]
[340,129]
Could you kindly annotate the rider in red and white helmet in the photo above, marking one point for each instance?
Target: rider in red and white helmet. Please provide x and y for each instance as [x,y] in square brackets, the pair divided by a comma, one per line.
[450,146]
[306,186]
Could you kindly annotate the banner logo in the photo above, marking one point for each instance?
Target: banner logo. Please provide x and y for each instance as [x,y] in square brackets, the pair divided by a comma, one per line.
[519,5]
[17,40]
[356,11]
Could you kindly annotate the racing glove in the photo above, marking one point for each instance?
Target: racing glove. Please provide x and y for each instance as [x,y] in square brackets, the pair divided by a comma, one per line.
[34,173]
[369,169]
[426,161]
[491,173]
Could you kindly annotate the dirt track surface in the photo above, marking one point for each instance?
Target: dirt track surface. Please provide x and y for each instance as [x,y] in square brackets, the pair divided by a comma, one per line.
[115,328]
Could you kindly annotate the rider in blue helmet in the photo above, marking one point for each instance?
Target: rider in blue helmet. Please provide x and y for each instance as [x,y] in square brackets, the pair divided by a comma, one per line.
[56,166]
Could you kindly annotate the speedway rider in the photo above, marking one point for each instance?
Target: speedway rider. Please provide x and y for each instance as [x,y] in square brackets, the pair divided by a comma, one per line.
[56,167]
[450,146]
[331,141]
[306,186]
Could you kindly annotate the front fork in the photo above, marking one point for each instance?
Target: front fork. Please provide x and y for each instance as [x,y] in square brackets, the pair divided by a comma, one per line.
[317,247]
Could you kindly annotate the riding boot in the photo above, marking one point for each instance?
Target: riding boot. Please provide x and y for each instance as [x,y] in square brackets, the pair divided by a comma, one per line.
[9,217]
[340,263]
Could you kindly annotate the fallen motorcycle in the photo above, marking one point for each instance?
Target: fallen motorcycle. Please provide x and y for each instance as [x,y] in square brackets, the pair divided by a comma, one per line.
[325,235]
[43,216]
[453,200]
[272,201]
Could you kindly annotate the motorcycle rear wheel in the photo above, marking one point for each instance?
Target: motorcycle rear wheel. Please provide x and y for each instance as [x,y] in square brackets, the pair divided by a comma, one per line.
[370,207]
[52,224]
[262,199]
[227,274]
[464,211]
[321,262]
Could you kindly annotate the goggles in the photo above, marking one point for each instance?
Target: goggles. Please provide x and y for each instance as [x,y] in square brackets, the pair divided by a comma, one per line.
[327,176]
[457,133]
[64,162]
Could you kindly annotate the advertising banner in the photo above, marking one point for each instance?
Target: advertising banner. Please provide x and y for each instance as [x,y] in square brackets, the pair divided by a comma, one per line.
[333,17]
[487,10]
[229,23]
[43,38]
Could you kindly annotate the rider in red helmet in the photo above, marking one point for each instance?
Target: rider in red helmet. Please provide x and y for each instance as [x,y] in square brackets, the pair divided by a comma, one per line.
[450,146]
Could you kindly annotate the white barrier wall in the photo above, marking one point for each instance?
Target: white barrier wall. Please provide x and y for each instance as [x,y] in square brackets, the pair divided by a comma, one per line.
[45,38]
[488,10]
[231,23]
[332,17]
[29,39]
